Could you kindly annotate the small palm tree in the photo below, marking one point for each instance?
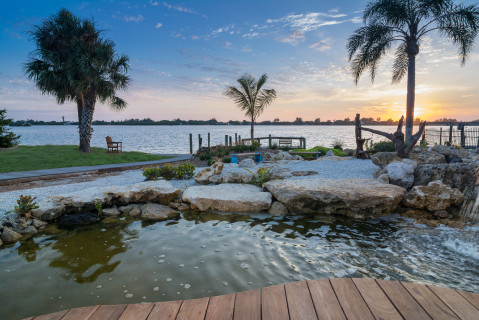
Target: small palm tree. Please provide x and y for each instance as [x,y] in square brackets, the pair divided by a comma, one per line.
[250,97]
[407,22]
[74,63]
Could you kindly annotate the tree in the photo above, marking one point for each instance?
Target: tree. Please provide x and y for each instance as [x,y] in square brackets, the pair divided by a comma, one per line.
[7,139]
[298,120]
[407,22]
[250,97]
[74,63]
[276,120]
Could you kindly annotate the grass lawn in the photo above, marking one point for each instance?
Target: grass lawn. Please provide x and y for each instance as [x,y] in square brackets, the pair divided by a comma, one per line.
[52,156]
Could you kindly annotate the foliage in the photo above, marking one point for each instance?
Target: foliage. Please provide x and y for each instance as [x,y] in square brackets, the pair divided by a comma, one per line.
[98,207]
[73,62]
[255,145]
[407,23]
[323,151]
[210,153]
[384,146]
[226,160]
[261,175]
[7,139]
[185,171]
[423,144]
[250,97]
[25,205]
[167,171]
[26,158]
[337,144]
[151,173]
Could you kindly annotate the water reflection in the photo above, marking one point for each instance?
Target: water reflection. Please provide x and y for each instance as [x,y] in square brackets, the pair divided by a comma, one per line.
[28,249]
[86,253]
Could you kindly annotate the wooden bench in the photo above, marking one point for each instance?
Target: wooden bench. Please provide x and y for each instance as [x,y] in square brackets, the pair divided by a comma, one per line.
[113,146]
[316,153]
[285,142]
[235,156]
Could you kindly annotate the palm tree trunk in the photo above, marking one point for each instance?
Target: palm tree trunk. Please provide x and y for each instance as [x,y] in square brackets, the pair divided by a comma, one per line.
[252,130]
[411,93]
[85,124]
[79,109]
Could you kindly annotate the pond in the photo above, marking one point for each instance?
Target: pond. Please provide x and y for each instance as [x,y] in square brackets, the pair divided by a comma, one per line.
[203,254]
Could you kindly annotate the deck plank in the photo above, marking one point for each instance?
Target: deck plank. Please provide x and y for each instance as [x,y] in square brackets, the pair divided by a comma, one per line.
[350,299]
[165,310]
[377,301]
[108,312]
[137,311]
[221,307]
[274,304]
[52,316]
[193,309]
[325,302]
[248,305]
[429,301]
[300,305]
[463,308]
[80,313]
[402,300]
[472,297]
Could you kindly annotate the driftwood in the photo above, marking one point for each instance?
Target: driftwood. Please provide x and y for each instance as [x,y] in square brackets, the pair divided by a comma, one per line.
[397,137]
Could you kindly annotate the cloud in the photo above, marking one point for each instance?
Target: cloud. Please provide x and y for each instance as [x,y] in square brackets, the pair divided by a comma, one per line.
[195,37]
[154,3]
[251,35]
[159,25]
[137,18]
[246,48]
[308,22]
[182,9]
[227,45]
[294,37]
[322,45]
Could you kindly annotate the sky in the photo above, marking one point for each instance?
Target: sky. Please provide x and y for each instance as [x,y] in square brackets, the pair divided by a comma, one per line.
[183,55]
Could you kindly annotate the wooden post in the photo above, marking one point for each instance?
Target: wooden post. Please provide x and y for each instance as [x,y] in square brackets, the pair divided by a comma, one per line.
[359,139]
[304,143]
[191,143]
[226,140]
[208,139]
[231,141]
[269,141]
[199,141]
[239,139]
[440,136]
[463,137]
[236,139]
[450,134]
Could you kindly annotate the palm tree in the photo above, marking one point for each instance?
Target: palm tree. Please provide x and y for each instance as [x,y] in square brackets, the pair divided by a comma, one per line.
[407,22]
[74,63]
[250,98]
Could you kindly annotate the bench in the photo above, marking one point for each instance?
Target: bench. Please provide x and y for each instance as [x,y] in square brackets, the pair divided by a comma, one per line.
[235,156]
[316,153]
[285,142]
[113,145]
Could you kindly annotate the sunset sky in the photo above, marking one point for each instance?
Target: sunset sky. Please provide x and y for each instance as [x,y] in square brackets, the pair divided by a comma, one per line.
[183,54]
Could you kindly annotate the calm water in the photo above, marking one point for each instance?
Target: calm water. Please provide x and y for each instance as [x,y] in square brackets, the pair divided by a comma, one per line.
[175,139]
[206,254]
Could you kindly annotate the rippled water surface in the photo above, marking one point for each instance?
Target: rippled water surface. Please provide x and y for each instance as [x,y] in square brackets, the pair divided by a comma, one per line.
[126,261]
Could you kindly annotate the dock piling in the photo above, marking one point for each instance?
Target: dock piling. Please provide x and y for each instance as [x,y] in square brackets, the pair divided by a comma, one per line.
[208,139]
[191,143]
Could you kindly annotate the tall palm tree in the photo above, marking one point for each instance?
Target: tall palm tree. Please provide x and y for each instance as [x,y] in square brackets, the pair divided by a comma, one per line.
[74,63]
[250,97]
[407,22]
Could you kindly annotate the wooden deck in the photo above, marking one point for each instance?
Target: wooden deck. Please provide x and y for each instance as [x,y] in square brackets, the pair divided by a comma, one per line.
[313,299]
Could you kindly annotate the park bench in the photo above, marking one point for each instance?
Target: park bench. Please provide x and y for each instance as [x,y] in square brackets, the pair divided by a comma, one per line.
[235,157]
[316,153]
[285,142]
[113,146]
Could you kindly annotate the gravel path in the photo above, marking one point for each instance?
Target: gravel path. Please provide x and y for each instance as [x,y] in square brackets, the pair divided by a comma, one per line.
[326,169]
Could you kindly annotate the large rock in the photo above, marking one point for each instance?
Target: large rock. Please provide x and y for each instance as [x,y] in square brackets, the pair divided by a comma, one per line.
[110,212]
[160,191]
[228,198]
[247,163]
[78,219]
[382,159]
[451,174]
[435,196]
[10,236]
[358,198]
[400,174]
[278,209]
[154,211]
[203,177]
[422,156]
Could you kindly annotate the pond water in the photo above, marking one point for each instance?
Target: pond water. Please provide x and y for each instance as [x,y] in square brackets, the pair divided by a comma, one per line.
[125,261]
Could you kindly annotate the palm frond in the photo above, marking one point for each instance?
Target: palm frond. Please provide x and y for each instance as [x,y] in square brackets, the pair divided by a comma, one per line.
[388,12]
[400,63]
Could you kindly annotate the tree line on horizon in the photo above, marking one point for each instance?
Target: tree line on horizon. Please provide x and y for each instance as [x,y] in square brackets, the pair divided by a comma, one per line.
[213,121]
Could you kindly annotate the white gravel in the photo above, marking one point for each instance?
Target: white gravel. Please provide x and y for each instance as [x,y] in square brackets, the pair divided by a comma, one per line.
[327,169]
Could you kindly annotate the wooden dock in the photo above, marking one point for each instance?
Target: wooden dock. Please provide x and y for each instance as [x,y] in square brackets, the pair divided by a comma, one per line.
[343,298]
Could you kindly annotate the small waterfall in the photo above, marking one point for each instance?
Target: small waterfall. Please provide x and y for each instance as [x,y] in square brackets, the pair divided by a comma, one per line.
[466,244]
[470,206]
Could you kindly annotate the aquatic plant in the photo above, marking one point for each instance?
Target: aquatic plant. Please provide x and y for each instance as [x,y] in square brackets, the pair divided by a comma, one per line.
[262,175]
[98,207]
[25,205]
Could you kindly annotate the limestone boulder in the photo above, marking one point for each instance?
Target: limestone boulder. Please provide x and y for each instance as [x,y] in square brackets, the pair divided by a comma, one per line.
[382,159]
[110,212]
[28,231]
[433,197]
[278,209]
[203,177]
[330,153]
[247,163]
[281,173]
[451,174]
[422,156]
[444,150]
[10,236]
[154,211]
[357,198]
[400,174]
[228,198]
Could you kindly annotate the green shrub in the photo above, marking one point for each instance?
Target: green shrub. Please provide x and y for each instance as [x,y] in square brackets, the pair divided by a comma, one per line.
[184,171]
[210,162]
[384,146]
[226,160]
[274,146]
[337,144]
[323,151]
[25,205]
[7,139]
[254,145]
[167,171]
[151,173]
[261,175]
[205,156]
